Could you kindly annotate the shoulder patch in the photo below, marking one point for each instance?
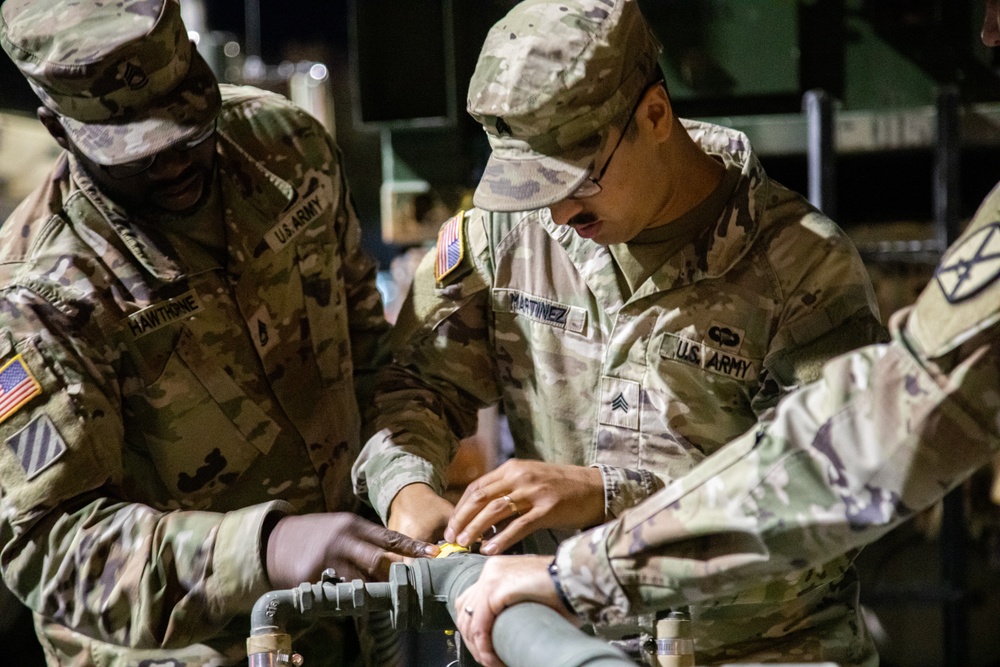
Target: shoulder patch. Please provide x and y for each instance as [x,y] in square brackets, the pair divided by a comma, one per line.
[972,266]
[17,386]
[450,247]
[37,446]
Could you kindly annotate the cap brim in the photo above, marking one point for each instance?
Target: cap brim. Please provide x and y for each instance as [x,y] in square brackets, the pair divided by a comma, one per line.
[523,180]
[176,116]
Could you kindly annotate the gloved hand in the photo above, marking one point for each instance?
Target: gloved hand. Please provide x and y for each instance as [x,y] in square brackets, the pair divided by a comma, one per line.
[299,548]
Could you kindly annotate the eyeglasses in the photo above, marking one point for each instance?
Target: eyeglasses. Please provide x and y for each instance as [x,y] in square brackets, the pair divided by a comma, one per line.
[592,185]
[136,167]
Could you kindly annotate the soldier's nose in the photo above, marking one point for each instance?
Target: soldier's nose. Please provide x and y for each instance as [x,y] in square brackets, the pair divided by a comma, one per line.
[562,212]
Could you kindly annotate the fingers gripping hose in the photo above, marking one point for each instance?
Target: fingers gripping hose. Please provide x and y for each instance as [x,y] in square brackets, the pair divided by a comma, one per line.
[422,596]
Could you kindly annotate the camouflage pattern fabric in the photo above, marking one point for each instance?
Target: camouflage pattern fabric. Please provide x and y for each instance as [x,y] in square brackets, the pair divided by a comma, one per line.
[124,76]
[885,433]
[178,408]
[645,388]
[544,109]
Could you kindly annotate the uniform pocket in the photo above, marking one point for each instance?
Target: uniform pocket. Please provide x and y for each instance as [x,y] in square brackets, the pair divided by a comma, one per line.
[700,393]
[201,430]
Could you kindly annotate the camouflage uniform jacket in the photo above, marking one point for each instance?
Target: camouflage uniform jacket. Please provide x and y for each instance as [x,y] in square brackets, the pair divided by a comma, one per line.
[885,433]
[643,387]
[138,472]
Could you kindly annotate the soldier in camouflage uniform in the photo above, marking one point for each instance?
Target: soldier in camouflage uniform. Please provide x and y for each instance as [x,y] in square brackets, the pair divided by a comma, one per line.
[885,432]
[185,320]
[636,292]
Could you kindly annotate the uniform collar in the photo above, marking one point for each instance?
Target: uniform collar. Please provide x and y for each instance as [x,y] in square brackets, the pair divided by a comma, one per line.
[253,198]
[141,241]
[717,250]
[713,252]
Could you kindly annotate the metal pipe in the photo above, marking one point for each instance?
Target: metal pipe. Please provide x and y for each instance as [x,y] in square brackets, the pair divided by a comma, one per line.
[821,151]
[947,195]
[270,646]
[422,596]
[947,154]
[251,10]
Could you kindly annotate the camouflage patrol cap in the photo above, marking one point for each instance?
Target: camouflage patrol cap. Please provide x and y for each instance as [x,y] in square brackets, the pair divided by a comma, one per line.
[551,76]
[123,76]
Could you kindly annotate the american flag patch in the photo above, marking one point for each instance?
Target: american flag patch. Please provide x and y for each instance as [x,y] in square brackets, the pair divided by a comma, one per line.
[17,386]
[37,446]
[450,247]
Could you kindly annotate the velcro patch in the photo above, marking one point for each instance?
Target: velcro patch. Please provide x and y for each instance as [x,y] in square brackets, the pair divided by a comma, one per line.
[450,247]
[17,386]
[726,337]
[37,446]
[708,358]
[972,266]
[545,311]
[307,209]
[159,315]
[619,403]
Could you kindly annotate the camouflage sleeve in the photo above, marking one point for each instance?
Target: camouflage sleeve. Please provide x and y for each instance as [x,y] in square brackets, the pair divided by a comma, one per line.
[368,326]
[829,305]
[443,372]
[885,432]
[626,487]
[73,549]
[880,437]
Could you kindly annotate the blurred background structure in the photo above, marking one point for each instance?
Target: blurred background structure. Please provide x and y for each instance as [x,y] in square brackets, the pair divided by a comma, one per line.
[886,112]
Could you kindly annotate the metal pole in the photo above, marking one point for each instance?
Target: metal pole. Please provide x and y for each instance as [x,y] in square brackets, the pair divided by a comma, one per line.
[953,541]
[821,152]
[946,166]
[252,26]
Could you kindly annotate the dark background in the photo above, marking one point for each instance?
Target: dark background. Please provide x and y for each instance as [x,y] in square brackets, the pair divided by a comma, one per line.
[881,185]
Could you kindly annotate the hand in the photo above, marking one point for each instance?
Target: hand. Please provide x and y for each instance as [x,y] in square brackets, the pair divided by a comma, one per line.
[505,580]
[419,512]
[299,548]
[530,494]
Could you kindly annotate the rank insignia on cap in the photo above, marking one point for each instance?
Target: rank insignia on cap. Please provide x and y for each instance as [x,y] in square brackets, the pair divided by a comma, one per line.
[972,266]
[37,446]
[17,386]
[450,247]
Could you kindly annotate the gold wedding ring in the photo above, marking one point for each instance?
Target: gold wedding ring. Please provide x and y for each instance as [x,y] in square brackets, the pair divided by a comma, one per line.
[513,506]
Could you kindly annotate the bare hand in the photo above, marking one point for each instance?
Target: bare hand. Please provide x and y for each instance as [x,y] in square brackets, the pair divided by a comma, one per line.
[505,580]
[419,512]
[299,548]
[530,494]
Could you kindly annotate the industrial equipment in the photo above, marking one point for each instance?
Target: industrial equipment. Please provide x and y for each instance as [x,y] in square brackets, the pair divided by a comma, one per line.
[422,596]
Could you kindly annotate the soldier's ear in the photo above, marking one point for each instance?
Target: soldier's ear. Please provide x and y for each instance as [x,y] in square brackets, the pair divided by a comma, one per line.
[657,113]
[50,119]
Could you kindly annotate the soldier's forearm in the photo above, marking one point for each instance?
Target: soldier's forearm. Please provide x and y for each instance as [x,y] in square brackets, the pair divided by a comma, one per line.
[844,461]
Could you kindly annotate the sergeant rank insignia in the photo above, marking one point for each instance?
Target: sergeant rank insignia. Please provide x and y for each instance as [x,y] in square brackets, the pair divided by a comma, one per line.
[972,266]
[450,247]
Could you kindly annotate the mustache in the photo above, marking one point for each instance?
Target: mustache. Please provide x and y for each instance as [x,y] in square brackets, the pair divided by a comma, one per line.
[581,219]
